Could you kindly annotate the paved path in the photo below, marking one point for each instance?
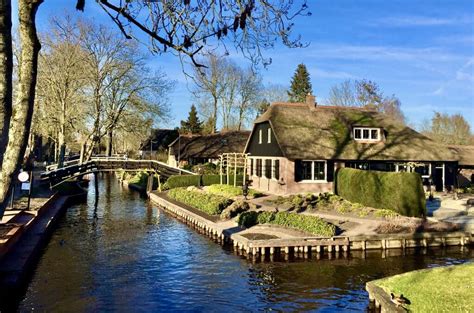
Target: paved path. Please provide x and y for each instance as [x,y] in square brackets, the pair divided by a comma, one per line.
[453,210]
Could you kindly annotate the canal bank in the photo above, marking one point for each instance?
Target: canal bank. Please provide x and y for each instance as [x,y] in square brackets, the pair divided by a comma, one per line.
[120,252]
[21,247]
[269,240]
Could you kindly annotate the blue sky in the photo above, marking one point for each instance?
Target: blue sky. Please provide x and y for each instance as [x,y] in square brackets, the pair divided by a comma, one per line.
[422,51]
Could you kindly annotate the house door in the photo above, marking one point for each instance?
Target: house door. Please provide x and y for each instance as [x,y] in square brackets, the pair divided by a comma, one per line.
[438,178]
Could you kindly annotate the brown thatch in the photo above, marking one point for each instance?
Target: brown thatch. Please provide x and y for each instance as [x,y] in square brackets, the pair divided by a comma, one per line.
[209,146]
[465,155]
[325,132]
[161,139]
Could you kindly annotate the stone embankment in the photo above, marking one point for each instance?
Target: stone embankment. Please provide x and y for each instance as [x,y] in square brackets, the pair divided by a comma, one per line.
[268,240]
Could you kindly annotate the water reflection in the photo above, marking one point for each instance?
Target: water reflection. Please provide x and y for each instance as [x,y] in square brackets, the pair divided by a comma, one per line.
[121,253]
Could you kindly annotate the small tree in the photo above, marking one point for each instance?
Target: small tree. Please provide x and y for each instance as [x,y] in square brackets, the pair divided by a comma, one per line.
[192,124]
[300,85]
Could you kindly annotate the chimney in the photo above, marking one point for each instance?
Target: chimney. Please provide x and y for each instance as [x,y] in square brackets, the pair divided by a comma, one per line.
[310,100]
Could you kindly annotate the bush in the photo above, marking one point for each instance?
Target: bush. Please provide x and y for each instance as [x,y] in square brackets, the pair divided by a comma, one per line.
[234,209]
[248,219]
[307,223]
[177,181]
[208,203]
[231,191]
[400,192]
[206,168]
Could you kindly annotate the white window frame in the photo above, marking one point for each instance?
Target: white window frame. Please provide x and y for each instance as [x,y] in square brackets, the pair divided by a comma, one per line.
[325,180]
[272,177]
[269,134]
[370,129]
[260,136]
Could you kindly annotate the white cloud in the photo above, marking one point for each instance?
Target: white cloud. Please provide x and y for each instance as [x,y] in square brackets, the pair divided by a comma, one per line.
[414,20]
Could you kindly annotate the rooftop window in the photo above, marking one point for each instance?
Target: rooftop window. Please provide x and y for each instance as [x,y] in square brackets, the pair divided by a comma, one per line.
[366,133]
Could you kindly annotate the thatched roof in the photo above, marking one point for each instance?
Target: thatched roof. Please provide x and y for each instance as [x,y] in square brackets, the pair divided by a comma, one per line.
[161,139]
[465,155]
[324,132]
[209,146]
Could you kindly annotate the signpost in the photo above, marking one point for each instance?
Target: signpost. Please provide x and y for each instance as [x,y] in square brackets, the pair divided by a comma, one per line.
[26,184]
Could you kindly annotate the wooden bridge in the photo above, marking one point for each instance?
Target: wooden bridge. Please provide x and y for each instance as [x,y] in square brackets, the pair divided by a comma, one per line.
[73,169]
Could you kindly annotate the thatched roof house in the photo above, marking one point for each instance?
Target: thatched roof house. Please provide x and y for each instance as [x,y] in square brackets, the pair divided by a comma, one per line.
[296,147]
[159,139]
[197,149]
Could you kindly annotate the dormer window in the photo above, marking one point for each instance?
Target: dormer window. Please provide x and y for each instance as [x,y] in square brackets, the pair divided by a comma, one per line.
[366,134]
[269,135]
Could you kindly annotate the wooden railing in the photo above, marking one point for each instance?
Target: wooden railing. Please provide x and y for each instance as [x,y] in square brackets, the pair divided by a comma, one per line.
[110,164]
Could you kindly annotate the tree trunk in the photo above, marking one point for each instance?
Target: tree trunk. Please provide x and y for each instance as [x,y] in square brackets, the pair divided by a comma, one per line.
[214,117]
[6,70]
[22,115]
[110,135]
[61,135]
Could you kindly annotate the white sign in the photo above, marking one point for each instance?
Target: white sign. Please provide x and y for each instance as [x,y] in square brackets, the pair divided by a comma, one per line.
[25,186]
[23,176]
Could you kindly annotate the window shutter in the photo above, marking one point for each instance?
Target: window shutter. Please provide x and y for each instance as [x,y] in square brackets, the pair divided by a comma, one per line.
[297,170]
[330,170]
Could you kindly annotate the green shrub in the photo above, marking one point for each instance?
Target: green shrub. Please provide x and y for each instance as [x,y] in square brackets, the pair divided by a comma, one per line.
[400,192]
[140,179]
[231,191]
[307,223]
[177,181]
[206,168]
[248,219]
[208,203]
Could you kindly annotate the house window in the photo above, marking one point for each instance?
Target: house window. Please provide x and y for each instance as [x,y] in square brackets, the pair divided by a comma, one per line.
[313,171]
[268,168]
[260,135]
[276,169]
[251,166]
[259,168]
[365,133]
[269,133]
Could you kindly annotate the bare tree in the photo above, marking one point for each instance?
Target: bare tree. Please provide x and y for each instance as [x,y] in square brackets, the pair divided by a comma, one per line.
[209,89]
[367,94]
[186,27]
[250,87]
[59,104]
[448,129]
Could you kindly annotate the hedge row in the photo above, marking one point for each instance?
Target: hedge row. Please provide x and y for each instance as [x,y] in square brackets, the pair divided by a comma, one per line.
[208,203]
[310,224]
[400,192]
[231,191]
[177,181]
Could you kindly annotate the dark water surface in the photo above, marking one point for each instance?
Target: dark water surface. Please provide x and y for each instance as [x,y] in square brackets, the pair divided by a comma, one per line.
[127,255]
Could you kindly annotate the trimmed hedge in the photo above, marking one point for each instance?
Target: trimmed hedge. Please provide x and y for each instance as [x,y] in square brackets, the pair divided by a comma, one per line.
[176,181]
[400,192]
[307,223]
[231,191]
[208,203]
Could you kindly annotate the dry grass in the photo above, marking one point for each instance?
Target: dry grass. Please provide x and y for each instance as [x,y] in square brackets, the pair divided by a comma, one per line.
[414,225]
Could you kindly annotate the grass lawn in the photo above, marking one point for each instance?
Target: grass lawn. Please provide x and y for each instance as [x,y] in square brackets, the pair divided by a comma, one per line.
[442,289]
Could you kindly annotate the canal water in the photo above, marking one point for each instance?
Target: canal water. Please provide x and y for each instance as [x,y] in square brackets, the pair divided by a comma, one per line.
[122,253]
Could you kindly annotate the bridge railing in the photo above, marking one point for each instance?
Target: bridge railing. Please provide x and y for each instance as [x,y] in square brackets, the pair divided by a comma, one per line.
[112,164]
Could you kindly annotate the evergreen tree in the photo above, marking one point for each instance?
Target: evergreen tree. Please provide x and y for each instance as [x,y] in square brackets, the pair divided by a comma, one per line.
[192,124]
[300,85]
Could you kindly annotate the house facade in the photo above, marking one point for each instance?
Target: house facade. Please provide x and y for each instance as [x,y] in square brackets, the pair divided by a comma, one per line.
[298,147]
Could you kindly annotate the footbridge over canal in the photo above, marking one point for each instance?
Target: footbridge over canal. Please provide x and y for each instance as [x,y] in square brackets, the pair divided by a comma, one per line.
[73,169]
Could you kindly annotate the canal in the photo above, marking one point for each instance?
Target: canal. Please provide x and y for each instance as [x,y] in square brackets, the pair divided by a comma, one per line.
[122,253]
